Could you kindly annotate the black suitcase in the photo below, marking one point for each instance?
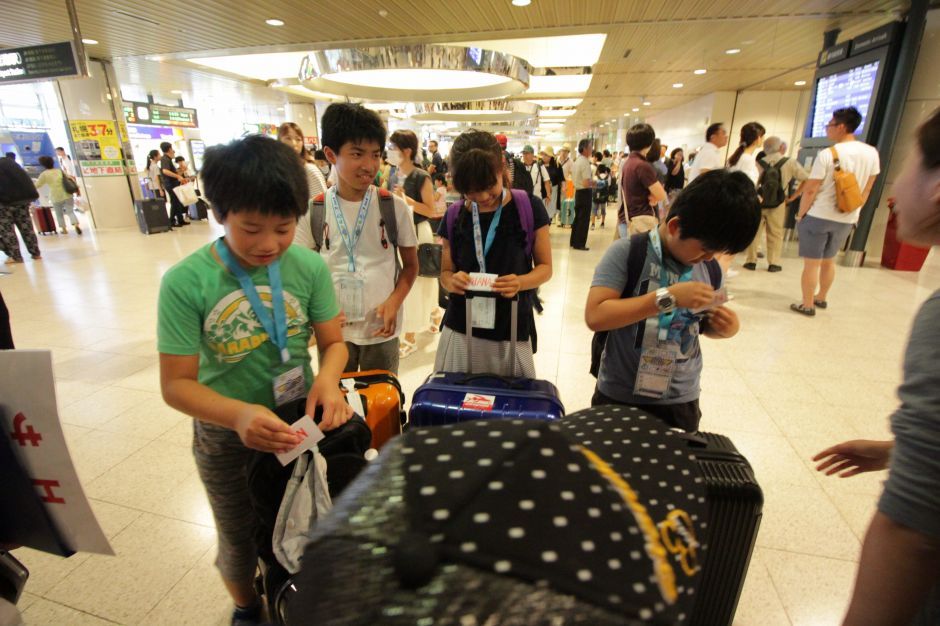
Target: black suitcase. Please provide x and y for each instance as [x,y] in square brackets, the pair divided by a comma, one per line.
[735,507]
[199,210]
[152,216]
[42,217]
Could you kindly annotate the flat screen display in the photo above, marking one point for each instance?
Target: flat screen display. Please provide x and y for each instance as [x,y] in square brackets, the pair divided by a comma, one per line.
[853,87]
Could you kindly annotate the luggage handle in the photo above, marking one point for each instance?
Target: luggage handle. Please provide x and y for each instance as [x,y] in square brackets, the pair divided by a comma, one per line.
[469,295]
[697,440]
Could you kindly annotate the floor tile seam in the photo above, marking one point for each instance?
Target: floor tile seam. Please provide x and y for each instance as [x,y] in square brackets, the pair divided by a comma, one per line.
[773,586]
[69,606]
[135,406]
[161,515]
[811,554]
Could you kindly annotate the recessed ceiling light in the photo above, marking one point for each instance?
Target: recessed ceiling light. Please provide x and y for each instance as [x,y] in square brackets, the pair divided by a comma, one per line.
[647,103]
[90,42]
[677,85]
[383,13]
[176,91]
[800,83]
[635,109]
[274,22]
[700,72]
[280,108]
[521,3]
[732,50]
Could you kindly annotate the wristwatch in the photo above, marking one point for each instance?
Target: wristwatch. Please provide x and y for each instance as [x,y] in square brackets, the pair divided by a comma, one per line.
[665,301]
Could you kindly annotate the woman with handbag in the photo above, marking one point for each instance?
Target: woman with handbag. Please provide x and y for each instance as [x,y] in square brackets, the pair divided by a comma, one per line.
[415,186]
[62,201]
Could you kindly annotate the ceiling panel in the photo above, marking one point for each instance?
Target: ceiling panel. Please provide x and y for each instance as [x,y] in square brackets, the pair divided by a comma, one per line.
[779,39]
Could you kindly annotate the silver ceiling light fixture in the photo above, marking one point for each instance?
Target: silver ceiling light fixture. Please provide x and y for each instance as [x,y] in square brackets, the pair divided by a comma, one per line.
[416,73]
[476,111]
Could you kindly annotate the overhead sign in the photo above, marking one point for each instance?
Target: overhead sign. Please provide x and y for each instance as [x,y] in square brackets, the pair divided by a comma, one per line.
[42,62]
[160,115]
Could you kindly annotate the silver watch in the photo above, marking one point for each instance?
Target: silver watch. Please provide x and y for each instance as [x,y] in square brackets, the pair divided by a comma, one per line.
[665,301]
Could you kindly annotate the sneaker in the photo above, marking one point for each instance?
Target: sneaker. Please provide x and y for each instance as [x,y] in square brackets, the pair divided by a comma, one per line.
[774,268]
[247,616]
[802,310]
[750,266]
[78,229]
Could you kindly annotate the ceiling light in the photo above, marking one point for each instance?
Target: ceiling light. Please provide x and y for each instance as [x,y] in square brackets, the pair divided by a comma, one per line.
[732,50]
[90,42]
[557,112]
[699,72]
[383,13]
[560,84]
[558,102]
[479,111]
[177,91]
[800,83]
[419,72]
[274,22]
[647,103]
[280,108]
[678,85]
[521,3]
[258,66]
[635,109]
[559,51]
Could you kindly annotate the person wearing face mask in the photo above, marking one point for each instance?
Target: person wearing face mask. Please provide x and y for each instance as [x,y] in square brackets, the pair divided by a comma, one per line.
[898,579]
[415,187]
[487,233]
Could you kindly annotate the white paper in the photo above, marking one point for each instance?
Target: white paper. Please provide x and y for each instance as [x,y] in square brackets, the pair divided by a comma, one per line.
[352,396]
[311,434]
[481,282]
[27,394]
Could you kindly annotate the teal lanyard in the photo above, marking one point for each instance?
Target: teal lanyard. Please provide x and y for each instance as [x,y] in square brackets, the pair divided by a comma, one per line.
[483,249]
[351,241]
[276,325]
[669,278]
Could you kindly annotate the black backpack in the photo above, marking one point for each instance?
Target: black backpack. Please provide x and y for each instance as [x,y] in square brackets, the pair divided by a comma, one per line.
[601,190]
[770,185]
[521,179]
[639,244]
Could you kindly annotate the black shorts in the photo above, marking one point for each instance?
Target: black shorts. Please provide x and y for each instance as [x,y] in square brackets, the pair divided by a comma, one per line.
[684,415]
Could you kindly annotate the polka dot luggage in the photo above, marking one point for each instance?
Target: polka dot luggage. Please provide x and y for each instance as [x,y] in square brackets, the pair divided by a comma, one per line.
[452,397]
[383,402]
[595,519]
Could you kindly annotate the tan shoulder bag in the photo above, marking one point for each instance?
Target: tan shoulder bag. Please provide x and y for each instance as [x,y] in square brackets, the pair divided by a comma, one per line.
[848,193]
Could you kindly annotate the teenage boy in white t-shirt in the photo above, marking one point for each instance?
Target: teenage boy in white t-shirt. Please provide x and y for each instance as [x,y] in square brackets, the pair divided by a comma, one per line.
[822,226]
[369,286]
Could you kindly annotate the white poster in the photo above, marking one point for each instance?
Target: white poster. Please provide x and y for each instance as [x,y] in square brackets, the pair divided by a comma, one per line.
[31,421]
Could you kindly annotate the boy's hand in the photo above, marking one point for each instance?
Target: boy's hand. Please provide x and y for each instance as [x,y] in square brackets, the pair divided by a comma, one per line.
[459,283]
[507,286]
[692,294]
[336,411]
[388,312]
[260,429]
[854,457]
[722,321]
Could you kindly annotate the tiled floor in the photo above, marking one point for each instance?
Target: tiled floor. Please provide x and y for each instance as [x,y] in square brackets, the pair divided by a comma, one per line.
[783,389]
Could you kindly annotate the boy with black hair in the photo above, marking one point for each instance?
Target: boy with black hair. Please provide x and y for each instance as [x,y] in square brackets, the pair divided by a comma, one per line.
[639,184]
[359,246]
[234,323]
[655,293]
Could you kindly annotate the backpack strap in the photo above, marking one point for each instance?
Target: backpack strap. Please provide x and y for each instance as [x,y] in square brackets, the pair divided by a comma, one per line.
[835,158]
[453,212]
[318,221]
[526,217]
[387,212]
[779,164]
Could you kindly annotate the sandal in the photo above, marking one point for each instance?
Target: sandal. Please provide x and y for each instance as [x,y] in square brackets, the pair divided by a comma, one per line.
[821,304]
[802,310]
[406,349]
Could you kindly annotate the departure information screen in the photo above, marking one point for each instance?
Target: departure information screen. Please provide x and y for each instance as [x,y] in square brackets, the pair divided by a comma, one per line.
[852,87]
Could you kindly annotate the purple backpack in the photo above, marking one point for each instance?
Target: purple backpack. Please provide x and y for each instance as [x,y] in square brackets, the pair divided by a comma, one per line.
[520,198]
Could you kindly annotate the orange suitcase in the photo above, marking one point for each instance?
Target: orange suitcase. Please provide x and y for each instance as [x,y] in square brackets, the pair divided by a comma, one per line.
[383,402]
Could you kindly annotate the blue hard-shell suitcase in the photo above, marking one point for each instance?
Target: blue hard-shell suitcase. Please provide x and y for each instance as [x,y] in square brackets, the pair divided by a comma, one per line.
[451,397]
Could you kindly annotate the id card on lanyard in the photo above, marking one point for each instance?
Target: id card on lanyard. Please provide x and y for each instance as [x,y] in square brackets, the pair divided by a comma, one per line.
[289,385]
[350,285]
[484,309]
[660,355]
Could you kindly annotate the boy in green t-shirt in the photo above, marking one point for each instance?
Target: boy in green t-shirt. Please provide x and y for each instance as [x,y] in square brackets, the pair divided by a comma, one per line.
[234,324]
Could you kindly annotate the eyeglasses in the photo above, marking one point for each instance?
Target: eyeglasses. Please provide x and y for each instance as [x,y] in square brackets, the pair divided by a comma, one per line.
[832,124]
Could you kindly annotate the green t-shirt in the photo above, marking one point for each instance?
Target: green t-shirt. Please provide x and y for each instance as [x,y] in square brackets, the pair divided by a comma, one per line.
[203,310]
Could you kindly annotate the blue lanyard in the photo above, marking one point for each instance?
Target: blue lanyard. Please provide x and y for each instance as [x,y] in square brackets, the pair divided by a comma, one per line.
[670,278]
[275,326]
[351,241]
[483,250]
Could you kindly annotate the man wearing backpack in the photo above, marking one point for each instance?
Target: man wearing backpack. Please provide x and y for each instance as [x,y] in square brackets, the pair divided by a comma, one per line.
[837,189]
[777,171]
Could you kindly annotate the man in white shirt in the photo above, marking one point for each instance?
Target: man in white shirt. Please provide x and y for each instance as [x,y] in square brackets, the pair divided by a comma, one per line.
[710,156]
[538,173]
[583,182]
[822,226]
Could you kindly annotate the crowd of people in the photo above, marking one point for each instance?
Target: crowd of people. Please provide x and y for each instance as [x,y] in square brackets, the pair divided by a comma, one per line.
[365,208]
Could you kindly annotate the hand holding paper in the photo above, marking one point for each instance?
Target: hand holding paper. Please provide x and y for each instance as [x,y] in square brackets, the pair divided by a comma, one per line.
[307,433]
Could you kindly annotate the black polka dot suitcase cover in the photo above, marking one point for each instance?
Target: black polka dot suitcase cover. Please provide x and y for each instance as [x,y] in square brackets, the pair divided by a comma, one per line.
[603,517]
[452,397]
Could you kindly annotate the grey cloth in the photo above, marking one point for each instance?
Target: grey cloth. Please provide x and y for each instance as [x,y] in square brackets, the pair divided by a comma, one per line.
[617,375]
[911,497]
[376,356]
[489,356]
[821,239]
